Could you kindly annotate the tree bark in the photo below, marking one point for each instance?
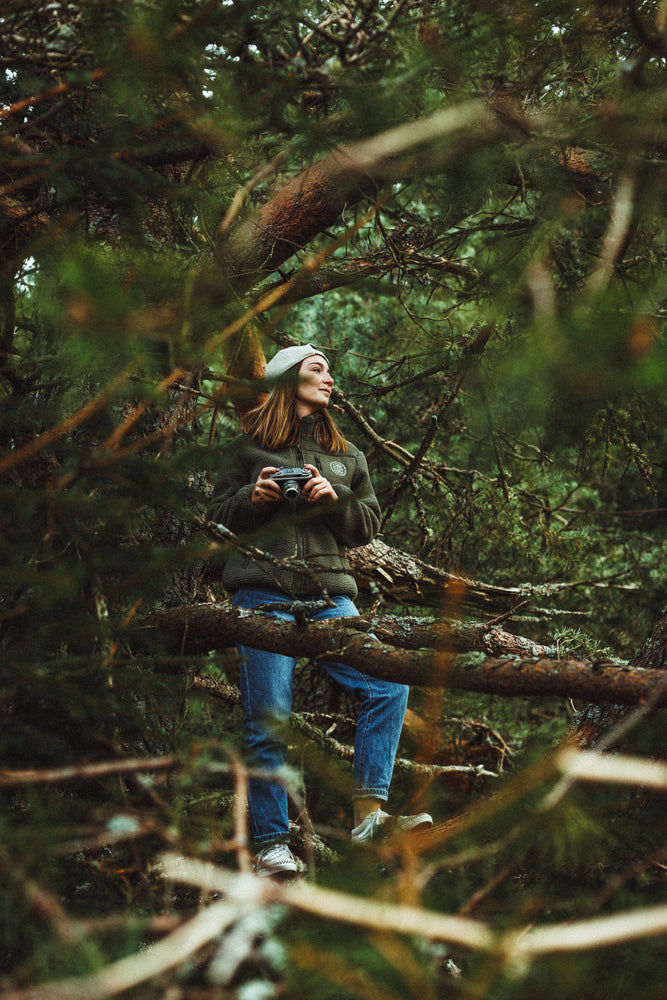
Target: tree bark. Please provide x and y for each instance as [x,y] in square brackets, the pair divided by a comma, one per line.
[411,632]
[651,657]
[404,577]
[204,627]
[209,628]
[314,200]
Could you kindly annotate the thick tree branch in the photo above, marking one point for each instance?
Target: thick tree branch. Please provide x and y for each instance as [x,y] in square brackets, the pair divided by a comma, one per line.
[190,629]
[404,577]
[314,200]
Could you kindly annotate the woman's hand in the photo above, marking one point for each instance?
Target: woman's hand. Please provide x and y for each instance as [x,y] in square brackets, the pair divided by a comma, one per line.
[318,488]
[266,490]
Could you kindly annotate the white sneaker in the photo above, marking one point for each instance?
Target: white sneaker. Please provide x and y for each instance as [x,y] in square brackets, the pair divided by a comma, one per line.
[371,827]
[276,861]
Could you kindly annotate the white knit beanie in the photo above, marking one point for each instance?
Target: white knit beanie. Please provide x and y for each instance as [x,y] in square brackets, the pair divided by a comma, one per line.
[289,357]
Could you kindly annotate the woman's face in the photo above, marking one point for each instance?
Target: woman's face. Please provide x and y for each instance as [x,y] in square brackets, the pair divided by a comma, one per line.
[314,388]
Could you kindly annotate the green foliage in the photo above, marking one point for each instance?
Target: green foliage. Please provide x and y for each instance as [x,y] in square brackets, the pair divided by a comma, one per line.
[128,128]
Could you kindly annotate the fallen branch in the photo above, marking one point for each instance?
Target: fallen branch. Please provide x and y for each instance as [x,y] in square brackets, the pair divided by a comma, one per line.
[404,577]
[406,632]
[205,627]
[409,579]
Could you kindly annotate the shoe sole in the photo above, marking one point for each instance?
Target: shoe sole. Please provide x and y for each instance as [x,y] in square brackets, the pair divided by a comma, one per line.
[280,877]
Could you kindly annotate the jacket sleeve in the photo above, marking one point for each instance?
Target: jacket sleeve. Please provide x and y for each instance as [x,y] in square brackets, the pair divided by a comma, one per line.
[231,504]
[355,518]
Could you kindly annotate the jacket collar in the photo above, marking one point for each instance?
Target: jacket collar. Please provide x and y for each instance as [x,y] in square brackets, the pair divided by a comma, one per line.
[307,427]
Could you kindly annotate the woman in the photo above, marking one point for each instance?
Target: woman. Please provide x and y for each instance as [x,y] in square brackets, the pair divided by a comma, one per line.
[336,509]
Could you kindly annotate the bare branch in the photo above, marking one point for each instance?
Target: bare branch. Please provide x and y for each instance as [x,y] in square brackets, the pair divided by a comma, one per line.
[616,235]
[580,935]
[96,769]
[167,954]
[619,769]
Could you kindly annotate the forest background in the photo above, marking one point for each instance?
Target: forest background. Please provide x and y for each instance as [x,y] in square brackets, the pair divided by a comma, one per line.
[464,205]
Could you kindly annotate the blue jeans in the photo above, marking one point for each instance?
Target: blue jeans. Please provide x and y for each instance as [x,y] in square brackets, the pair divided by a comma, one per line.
[266,694]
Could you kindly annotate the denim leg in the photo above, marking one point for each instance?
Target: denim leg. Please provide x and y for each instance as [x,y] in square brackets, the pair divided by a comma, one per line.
[381,715]
[266,697]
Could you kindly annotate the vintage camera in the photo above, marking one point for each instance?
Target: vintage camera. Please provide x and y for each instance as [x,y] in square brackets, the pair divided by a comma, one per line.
[291,481]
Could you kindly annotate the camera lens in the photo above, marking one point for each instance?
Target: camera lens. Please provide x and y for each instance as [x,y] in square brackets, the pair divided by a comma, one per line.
[291,489]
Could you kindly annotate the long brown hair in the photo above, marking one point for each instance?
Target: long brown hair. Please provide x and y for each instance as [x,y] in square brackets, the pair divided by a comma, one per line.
[274,423]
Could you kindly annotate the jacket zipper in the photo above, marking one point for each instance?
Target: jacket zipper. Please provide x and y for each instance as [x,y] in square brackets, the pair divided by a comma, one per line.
[298,581]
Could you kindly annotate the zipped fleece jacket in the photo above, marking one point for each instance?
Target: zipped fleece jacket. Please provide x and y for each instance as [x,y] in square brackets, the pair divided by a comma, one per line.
[316,534]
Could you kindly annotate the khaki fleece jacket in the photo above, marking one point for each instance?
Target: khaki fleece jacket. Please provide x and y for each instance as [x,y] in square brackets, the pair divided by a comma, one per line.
[314,534]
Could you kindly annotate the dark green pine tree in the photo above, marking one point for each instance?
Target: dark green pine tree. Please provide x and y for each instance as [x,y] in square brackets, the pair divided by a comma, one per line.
[464,203]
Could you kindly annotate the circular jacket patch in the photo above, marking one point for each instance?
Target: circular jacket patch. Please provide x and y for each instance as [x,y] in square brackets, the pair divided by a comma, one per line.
[338,468]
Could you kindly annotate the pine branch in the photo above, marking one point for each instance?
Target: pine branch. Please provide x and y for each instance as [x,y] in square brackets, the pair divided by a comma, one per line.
[205,627]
